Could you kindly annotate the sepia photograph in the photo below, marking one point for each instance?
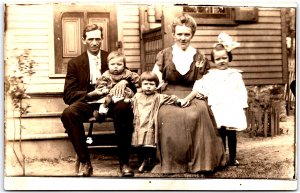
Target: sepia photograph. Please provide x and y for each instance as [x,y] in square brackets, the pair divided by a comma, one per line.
[149,96]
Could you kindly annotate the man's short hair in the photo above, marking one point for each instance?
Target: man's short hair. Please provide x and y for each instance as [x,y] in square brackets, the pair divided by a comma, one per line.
[92,27]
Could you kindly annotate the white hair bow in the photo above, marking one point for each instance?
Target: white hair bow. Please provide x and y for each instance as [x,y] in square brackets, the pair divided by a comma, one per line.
[227,42]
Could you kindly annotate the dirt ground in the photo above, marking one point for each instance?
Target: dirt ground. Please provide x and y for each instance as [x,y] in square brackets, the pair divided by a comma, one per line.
[259,157]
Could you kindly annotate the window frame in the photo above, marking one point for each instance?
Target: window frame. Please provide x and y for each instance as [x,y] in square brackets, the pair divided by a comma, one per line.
[214,19]
[60,9]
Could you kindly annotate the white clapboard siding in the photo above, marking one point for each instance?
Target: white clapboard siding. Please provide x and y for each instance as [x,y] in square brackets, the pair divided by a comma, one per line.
[250,50]
[260,51]
[29,27]
[128,22]
[131,32]
[232,31]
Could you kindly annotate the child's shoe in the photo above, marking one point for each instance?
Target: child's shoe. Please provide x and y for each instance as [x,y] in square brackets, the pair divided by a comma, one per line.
[102,110]
[96,114]
[143,166]
[234,163]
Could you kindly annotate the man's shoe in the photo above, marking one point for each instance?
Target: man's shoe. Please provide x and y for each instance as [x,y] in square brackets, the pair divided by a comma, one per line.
[126,171]
[85,169]
[234,163]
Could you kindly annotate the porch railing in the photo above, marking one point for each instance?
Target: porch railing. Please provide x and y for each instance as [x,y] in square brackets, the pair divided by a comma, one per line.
[152,44]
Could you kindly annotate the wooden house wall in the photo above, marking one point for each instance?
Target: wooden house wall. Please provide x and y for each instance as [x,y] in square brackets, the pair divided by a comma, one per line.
[31,27]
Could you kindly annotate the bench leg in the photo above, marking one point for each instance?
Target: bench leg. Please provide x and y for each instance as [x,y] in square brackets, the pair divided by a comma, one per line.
[89,139]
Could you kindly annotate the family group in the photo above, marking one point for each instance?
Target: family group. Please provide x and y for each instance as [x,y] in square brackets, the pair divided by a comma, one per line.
[179,114]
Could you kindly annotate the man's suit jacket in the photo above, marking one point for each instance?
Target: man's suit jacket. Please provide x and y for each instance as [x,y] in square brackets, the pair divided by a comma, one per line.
[77,83]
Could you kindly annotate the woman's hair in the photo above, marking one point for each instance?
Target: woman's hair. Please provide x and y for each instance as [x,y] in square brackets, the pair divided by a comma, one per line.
[150,76]
[116,54]
[219,47]
[92,27]
[186,20]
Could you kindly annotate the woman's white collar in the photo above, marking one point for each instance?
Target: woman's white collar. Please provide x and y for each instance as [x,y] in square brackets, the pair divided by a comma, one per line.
[183,58]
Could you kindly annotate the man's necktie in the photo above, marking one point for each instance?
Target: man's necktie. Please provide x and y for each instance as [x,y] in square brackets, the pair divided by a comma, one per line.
[97,62]
[97,71]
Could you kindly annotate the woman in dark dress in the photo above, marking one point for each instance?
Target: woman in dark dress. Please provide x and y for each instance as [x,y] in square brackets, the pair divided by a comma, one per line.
[188,141]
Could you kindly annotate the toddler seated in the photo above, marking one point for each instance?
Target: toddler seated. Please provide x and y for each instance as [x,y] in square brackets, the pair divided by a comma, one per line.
[105,84]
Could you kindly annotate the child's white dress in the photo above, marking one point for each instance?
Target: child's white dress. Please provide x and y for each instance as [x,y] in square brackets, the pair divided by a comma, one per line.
[227,96]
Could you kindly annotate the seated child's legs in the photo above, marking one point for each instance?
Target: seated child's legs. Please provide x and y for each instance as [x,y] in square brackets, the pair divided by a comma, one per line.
[128,94]
[103,108]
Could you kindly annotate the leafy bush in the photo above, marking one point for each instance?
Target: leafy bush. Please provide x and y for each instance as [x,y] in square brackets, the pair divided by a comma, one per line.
[22,66]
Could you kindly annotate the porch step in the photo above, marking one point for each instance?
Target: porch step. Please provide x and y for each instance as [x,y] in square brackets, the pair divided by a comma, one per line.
[29,137]
[48,124]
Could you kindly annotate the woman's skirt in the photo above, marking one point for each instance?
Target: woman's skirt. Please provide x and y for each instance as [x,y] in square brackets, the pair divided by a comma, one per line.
[188,141]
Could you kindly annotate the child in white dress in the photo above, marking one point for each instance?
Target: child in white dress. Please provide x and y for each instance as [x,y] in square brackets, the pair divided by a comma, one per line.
[145,108]
[227,97]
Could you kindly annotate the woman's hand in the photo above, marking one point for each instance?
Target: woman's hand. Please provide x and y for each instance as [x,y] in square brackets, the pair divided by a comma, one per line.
[119,88]
[183,102]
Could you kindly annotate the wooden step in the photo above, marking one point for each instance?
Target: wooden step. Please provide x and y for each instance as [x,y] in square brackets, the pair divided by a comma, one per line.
[47,123]
[46,136]
[41,103]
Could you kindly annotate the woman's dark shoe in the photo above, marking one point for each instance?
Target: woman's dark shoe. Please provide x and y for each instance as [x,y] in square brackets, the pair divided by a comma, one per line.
[234,163]
[126,171]
[85,169]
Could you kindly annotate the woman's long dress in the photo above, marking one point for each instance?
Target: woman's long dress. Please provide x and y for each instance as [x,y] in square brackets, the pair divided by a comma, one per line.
[188,141]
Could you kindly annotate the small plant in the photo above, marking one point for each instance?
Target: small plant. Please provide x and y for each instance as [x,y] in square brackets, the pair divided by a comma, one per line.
[22,67]
[265,102]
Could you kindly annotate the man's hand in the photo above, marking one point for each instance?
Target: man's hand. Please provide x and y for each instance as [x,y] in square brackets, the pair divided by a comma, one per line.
[119,88]
[105,91]
[93,95]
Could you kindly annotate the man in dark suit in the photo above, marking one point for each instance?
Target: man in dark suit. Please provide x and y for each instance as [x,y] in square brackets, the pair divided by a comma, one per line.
[79,88]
